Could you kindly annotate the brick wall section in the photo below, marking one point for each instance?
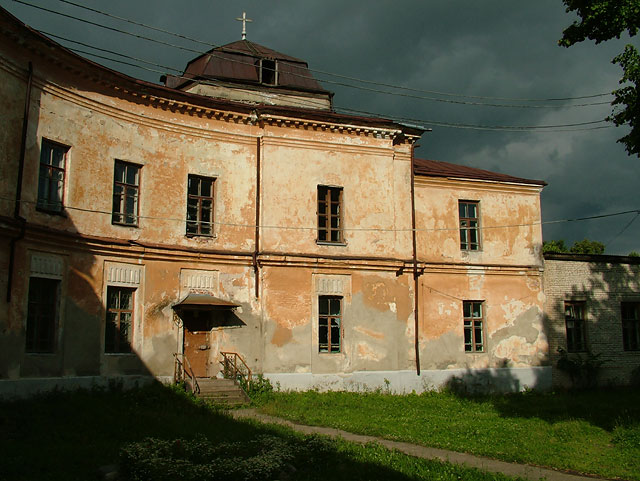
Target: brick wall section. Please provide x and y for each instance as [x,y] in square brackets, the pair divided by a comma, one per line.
[602,282]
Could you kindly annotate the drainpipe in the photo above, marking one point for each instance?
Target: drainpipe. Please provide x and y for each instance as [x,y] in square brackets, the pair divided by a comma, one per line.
[415,262]
[16,210]
[256,267]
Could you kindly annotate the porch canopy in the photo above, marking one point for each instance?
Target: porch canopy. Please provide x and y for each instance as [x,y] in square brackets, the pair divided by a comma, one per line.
[205,302]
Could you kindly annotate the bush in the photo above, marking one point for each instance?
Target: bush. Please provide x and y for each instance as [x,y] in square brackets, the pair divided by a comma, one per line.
[583,371]
[266,457]
[258,388]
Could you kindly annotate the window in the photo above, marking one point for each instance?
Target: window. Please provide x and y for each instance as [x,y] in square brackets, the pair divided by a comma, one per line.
[330,323]
[42,313]
[473,326]
[268,72]
[119,325]
[51,176]
[576,326]
[330,214]
[631,326]
[469,225]
[200,205]
[126,195]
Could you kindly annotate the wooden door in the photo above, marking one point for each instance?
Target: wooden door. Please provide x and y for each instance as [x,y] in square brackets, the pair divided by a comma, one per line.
[197,347]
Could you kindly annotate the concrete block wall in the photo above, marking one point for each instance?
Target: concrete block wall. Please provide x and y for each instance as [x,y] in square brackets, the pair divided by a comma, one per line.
[602,283]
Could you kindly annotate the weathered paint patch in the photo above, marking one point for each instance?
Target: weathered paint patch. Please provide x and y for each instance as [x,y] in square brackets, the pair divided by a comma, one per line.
[369,332]
[369,353]
[281,336]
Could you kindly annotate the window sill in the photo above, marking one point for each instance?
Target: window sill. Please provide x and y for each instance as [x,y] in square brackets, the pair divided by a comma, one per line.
[129,354]
[120,224]
[59,213]
[200,236]
[326,243]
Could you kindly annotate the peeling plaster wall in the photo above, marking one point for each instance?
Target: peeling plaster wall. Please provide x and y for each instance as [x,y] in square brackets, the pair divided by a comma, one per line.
[376,321]
[514,333]
[276,332]
[602,286]
[295,162]
[511,233]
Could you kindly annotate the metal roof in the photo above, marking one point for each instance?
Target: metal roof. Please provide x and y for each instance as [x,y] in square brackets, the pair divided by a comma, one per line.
[435,168]
[240,62]
[199,301]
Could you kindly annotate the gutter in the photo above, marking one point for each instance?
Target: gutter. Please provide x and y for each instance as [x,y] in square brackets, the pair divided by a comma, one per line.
[16,210]
[416,275]
[256,252]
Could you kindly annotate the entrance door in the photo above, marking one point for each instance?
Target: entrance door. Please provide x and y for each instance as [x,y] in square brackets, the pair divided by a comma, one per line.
[197,347]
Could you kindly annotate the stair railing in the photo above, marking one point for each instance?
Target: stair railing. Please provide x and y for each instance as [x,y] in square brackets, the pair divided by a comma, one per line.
[234,367]
[183,370]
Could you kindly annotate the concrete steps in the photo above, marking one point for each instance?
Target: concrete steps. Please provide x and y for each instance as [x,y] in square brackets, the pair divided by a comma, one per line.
[221,391]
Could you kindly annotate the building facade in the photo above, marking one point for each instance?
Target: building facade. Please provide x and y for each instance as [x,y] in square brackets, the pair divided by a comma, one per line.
[592,312]
[232,210]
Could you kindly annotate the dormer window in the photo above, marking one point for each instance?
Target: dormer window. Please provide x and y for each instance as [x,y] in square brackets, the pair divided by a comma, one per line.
[268,72]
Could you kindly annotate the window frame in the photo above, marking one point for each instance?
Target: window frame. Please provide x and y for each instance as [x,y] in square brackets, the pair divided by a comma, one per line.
[116,345]
[42,311]
[325,201]
[576,333]
[123,196]
[273,71]
[465,230]
[199,199]
[325,322]
[44,203]
[472,325]
[630,325]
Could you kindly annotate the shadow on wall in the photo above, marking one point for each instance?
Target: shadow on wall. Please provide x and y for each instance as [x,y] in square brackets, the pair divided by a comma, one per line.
[57,332]
[590,353]
[489,381]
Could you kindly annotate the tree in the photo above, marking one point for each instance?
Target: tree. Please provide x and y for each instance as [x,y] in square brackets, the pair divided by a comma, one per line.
[587,246]
[634,254]
[554,246]
[602,20]
[584,246]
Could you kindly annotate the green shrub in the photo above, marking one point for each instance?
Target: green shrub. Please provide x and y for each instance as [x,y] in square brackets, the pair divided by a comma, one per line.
[259,388]
[198,459]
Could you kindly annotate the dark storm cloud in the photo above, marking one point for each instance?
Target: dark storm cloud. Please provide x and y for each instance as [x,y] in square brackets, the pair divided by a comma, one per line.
[488,48]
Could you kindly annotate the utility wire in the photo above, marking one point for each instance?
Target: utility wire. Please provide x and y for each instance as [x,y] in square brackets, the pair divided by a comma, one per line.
[623,229]
[342,84]
[213,46]
[503,128]
[347,229]
[111,52]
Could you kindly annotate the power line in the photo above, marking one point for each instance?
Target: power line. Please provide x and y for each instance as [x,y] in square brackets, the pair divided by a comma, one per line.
[342,84]
[623,229]
[213,46]
[503,128]
[352,229]
[109,51]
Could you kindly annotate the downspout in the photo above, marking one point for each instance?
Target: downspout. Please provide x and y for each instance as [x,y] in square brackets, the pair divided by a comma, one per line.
[415,262]
[16,210]
[256,267]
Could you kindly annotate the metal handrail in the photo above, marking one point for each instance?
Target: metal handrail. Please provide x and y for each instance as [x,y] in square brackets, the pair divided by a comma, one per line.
[184,368]
[231,369]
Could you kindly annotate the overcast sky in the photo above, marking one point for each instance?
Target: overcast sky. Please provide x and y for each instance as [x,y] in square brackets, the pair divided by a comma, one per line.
[488,48]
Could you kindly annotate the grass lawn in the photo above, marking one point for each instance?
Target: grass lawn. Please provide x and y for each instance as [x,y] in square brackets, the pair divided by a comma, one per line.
[587,432]
[67,436]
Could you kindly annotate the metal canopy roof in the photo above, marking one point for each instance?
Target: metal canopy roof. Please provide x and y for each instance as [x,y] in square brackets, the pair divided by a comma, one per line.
[204,301]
